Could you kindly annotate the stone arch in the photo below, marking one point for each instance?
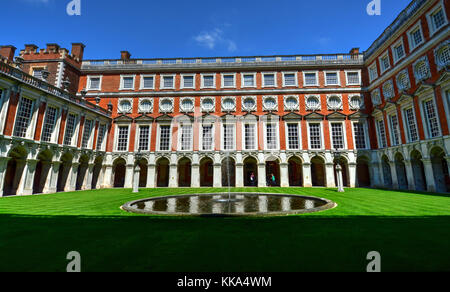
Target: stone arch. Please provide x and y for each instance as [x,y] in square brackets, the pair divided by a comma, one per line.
[184,172]
[143,165]
[206,172]
[119,172]
[250,171]
[400,169]
[273,169]
[64,172]
[343,162]
[14,170]
[363,172]
[82,172]
[418,170]
[318,177]
[96,172]
[41,173]
[228,172]
[162,172]
[440,169]
[295,171]
[386,169]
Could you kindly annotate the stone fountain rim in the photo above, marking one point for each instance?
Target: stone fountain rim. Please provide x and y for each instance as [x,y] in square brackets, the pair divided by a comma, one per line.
[328,206]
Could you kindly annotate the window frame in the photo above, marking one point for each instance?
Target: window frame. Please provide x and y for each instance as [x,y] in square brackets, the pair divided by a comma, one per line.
[201,144]
[122,82]
[295,78]
[366,135]
[344,134]
[431,26]
[180,135]
[263,74]
[116,142]
[142,83]
[406,124]
[89,82]
[299,133]
[395,57]
[138,136]
[203,75]
[158,136]
[338,77]
[222,75]
[161,81]
[374,65]
[183,85]
[243,80]
[424,115]
[417,26]
[277,137]
[380,60]
[321,135]
[310,72]
[353,71]
[253,124]
[222,135]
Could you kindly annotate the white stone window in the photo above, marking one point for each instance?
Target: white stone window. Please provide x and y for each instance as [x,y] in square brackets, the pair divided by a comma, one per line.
[376,98]
[144,138]
[145,105]
[122,139]
[373,72]
[94,82]
[403,80]
[166,105]
[228,80]
[249,103]
[313,103]
[188,81]
[208,104]
[334,102]
[381,134]
[289,79]
[23,117]
[293,135]
[49,124]
[167,81]
[415,36]
[101,137]
[353,77]
[228,104]
[310,78]
[270,103]
[356,102]
[422,69]
[332,78]
[431,118]
[187,104]
[186,138]
[411,125]
[395,130]
[127,82]
[388,90]
[385,64]
[337,135]
[70,129]
[359,135]
[398,51]
[250,136]
[437,19]
[271,136]
[208,81]
[125,106]
[291,103]
[164,137]
[315,136]
[86,133]
[248,80]
[207,138]
[269,80]
[148,82]
[228,140]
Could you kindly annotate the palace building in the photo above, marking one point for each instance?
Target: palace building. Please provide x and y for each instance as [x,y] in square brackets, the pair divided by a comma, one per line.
[383,115]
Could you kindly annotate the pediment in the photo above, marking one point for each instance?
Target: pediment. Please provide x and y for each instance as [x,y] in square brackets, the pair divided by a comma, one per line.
[208,118]
[184,119]
[405,98]
[314,116]
[423,87]
[123,119]
[144,118]
[164,118]
[445,76]
[358,116]
[269,117]
[336,116]
[292,116]
[229,117]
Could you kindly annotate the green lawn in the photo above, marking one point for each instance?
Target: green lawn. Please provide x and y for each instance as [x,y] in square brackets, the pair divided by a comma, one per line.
[410,230]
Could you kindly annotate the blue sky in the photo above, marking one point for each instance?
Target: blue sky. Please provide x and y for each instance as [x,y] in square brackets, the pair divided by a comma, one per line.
[198,28]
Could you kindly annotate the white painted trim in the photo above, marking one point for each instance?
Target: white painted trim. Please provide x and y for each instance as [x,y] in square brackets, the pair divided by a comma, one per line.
[141,85]
[213,133]
[89,81]
[277,137]
[295,78]
[338,77]
[222,146]
[286,123]
[344,134]
[380,60]
[183,86]
[203,75]
[321,134]
[431,27]
[158,136]
[310,72]
[263,81]
[243,80]
[254,124]
[412,47]
[223,80]
[161,81]
[394,51]
[116,140]
[122,77]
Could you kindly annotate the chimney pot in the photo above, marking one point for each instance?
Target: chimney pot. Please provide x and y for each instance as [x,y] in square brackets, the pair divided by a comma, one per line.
[125,55]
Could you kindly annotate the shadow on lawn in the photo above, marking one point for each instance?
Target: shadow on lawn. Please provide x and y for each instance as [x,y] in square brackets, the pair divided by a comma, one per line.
[224,244]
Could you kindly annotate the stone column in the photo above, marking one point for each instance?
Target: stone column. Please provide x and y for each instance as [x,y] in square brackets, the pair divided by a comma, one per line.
[217,180]
[46,174]
[107,181]
[19,176]
[52,178]
[429,175]
[262,179]
[87,183]
[239,175]
[151,178]
[284,175]
[352,174]
[72,178]
[395,185]
[27,181]
[374,171]
[136,176]
[410,175]
[173,176]
[3,168]
[340,181]
[306,171]
[129,176]
[195,175]
[329,175]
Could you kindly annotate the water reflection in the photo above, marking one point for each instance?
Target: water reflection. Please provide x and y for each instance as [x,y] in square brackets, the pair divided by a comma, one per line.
[241,204]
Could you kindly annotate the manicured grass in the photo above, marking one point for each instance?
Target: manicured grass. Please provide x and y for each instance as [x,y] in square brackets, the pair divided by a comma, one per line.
[410,230]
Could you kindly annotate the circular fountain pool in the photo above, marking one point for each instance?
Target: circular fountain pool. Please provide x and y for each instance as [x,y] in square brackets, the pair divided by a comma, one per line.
[236,204]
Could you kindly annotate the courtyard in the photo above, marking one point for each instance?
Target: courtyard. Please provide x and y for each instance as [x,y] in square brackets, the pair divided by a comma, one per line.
[409,230]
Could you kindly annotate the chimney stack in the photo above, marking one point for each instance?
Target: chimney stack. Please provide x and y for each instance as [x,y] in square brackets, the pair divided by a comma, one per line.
[8,52]
[30,49]
[125,55]
[78,50]
[354,51]
[53,48]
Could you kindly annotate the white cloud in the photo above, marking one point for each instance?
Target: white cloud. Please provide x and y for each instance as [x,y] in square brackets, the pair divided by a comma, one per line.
[213,39]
